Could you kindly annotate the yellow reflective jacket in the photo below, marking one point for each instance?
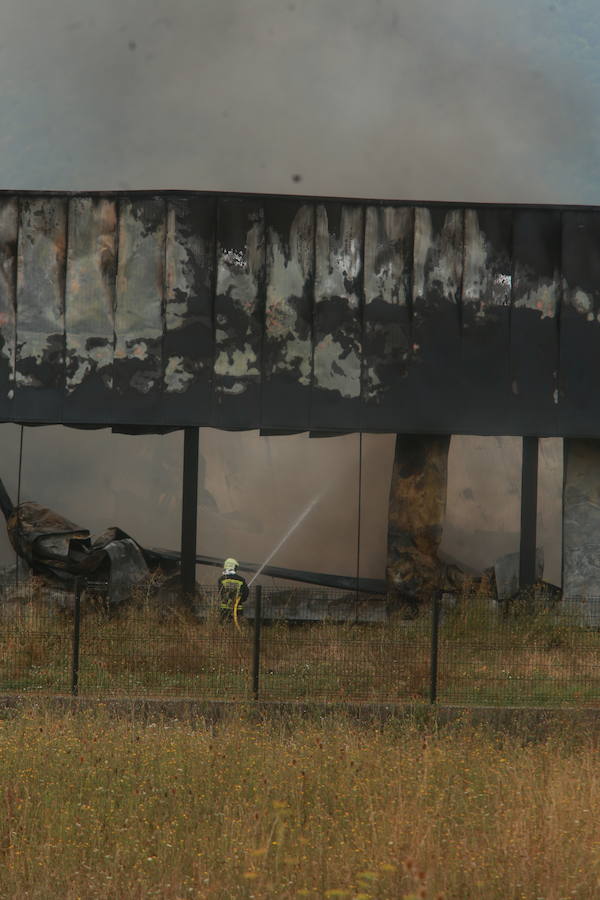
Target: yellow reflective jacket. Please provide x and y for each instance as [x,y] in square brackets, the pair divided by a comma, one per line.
[232,586]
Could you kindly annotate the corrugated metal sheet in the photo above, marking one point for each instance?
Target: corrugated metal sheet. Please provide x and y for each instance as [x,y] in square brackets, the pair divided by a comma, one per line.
[158,310]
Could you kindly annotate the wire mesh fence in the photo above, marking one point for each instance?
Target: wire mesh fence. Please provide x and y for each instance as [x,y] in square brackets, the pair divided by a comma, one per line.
[302,645]
[541,651]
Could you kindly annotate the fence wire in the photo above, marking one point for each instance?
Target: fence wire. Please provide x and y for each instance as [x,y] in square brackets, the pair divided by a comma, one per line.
[536,653]
[313,644]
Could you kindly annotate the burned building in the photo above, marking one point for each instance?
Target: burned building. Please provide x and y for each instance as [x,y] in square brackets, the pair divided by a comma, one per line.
[147,312]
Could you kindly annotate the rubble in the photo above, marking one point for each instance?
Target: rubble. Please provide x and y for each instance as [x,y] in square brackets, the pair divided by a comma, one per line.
[506,573]
[60,550]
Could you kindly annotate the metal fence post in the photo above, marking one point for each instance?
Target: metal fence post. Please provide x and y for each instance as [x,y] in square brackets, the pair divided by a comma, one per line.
[256,649]
[76,633]
[435,628]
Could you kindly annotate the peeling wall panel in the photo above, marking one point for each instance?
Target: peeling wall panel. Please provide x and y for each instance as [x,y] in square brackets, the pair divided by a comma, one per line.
[288,347]
[89,308]
[436,317]
[9,225]
[534,348]
[485,319]
[159,310]
[239,313]
[139,313]
[40,350]
[188,350]
[388,264]
[580,320]
[337,361]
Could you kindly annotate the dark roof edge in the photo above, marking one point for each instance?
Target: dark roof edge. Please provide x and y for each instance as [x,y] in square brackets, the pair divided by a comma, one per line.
[306,198]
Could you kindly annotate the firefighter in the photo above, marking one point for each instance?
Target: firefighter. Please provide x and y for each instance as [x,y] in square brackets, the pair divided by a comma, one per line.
[233,590]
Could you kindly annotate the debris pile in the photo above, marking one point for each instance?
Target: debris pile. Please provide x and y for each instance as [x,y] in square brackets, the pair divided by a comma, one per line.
[60,551]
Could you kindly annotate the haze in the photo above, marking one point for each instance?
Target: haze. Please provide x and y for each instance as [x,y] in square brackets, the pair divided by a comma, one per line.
[463,100]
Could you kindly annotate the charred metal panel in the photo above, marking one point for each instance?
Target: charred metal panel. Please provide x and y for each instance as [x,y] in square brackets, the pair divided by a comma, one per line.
[580,322]
[581,528]
[188,349]
[158,311]
[9,223]
[485,320]
[239,313]
[40,349]
[436,321]
[139,314]
[89,308]
[534,349]
[387,315]
[288,349]
[337,357]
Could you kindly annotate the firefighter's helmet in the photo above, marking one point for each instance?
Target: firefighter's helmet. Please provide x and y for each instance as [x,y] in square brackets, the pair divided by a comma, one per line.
[230,565]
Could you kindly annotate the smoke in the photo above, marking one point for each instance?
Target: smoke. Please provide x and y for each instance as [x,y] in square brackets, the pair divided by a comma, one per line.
[252,488]
[483,516]
[464,100]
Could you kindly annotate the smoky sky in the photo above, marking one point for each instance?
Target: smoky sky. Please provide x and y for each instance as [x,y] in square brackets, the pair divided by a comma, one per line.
[463,100]
[470,100]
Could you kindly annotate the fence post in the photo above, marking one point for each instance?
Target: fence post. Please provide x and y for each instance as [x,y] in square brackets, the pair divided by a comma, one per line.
[76,633]
[435,628]
[256,650]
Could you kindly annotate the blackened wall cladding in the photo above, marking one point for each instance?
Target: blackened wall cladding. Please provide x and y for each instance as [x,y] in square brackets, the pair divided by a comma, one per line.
[290,314]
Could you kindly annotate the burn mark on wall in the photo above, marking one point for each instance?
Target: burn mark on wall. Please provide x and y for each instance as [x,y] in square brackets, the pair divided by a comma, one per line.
[190,278]
[9,221]
[239,310]
[534,332]
[436,321]
[163,310]
[388,305]
[139,312]
[580,316]
[89,303]
[40,346]
[338,315]
[288,347]
[485,319]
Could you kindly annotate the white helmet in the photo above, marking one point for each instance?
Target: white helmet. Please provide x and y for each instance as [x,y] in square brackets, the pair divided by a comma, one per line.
[230,565]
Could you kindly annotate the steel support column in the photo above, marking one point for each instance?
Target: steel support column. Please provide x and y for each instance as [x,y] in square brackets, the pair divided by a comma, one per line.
[529,483]
[189,508]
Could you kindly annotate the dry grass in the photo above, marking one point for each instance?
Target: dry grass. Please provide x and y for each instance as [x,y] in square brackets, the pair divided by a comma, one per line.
[98,808]
[531,656]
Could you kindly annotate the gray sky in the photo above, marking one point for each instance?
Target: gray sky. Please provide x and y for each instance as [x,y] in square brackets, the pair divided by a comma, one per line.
[461,99]
[465,99]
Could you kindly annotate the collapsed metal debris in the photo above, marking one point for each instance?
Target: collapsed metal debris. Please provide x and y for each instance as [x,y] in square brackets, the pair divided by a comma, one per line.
[59,551]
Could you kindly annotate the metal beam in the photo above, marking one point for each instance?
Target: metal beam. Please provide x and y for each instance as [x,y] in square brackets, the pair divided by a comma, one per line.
[529,482]
[189,508]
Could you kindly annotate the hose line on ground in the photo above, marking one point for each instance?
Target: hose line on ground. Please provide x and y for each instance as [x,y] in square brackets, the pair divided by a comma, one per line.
[235,612]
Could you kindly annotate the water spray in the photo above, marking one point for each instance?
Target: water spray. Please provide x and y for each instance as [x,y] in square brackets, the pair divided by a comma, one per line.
[288,534]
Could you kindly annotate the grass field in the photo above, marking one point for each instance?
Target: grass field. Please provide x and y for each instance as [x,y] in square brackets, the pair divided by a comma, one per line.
[94,807]
[527,658]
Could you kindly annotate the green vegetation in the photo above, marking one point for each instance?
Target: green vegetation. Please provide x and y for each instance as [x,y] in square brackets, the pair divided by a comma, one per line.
[530,656]
[94,807]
